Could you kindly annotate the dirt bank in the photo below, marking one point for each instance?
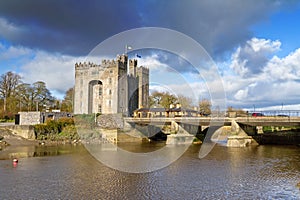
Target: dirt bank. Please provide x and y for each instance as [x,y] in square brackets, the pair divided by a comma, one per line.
[14,140]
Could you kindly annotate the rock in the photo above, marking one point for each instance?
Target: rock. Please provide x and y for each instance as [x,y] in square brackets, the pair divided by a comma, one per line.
[110,121]
[238,141]
[197,142]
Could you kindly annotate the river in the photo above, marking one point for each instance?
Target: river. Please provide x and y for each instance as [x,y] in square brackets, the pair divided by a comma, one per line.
[70,172]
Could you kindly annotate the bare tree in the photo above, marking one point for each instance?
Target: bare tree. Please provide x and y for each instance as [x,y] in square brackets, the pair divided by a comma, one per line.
[8,83]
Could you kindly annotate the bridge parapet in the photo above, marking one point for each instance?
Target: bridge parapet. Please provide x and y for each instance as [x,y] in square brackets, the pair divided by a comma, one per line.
[269,121]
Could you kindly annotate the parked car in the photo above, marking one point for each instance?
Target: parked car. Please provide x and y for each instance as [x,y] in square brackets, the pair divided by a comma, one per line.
[280,115]
[256,114]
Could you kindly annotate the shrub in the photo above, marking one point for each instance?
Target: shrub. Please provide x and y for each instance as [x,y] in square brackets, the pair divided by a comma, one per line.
[60,129]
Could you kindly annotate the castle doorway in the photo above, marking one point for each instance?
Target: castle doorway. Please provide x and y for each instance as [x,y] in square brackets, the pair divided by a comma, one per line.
[95,96]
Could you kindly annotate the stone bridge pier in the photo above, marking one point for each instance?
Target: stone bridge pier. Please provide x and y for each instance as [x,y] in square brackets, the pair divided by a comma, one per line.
[182,136]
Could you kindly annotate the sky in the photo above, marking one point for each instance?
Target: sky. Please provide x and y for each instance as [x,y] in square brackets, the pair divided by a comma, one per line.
[254,44]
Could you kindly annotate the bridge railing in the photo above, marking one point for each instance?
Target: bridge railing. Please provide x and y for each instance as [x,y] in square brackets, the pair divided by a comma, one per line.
[278,113]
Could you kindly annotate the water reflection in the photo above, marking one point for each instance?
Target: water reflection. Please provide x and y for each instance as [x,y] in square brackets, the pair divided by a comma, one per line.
[11,152]
[260,172]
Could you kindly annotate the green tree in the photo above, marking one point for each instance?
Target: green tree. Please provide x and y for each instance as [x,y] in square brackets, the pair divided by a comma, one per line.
[41,95]
[155,98]
[168,99]
[185,102]
[24,93]
[205,107]
[34,97]
[67,102]
[162,99]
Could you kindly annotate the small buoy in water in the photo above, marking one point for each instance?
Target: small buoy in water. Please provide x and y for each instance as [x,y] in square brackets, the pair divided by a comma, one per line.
[15,162]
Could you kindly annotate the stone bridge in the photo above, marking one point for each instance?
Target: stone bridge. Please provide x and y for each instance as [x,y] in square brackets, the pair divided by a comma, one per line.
[226,121]
[241,127]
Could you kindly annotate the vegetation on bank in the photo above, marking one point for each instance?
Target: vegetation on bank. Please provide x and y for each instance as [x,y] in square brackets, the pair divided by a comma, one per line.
[57,130]
[281,129]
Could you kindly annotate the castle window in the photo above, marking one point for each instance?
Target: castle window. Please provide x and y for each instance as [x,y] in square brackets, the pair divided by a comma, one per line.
[99,108]
[109,103]
[109,80]
[111,71]
[95,72]
[81,93]
[81,82]
[109,91]
[100,91]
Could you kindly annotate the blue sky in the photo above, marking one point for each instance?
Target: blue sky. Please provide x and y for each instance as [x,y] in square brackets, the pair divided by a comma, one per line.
[255,44]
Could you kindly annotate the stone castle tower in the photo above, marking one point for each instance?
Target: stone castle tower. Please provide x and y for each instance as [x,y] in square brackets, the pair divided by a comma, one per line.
[110,87]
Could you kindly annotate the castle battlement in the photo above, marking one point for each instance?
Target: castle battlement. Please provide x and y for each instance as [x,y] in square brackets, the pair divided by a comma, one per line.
[143,70]
[122,58]
[105,63]
[85,65]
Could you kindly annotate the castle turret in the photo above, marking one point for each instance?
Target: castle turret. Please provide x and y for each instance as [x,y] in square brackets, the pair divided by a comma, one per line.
[143,87]
[132,67]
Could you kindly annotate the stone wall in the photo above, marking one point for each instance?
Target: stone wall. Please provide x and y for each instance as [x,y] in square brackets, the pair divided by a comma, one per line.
[25,131]
[30,118]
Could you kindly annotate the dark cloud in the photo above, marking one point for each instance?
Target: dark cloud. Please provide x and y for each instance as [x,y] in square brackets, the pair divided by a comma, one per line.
[75,27]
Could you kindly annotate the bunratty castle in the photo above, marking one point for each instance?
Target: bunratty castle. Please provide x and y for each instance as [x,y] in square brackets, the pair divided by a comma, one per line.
[114,86]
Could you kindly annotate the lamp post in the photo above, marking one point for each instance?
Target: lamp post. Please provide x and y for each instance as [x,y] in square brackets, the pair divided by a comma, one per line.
[36,105]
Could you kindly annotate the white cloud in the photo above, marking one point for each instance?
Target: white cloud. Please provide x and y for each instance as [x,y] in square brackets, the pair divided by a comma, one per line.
[8,30]
[287,68]
[273,81]
[12,52]
[153,63]
[263,45]
[251,58]
[241,94]
[57,71]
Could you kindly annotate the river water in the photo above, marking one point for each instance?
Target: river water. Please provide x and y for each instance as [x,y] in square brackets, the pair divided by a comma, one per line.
[70,172]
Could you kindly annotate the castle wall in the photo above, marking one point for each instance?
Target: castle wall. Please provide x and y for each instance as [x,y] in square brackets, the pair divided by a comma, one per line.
[103,96]
[108,88]
[143,87]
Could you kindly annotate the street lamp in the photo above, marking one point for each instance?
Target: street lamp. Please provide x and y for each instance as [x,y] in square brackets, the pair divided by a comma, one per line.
[37,105]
